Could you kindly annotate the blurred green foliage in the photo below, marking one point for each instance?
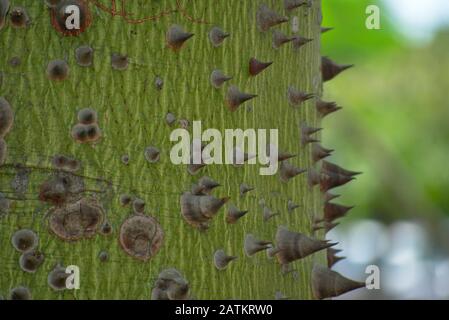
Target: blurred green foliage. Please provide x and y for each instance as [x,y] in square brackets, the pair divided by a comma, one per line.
[350,39]
[394,125]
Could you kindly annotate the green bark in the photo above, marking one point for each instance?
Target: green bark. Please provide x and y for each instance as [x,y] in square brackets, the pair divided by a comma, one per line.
[132,116]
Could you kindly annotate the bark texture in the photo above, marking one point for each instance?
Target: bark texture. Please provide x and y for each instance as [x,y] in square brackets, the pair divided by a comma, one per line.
[131,114]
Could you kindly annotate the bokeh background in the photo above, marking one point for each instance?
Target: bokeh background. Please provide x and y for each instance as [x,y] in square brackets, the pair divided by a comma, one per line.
[394,127]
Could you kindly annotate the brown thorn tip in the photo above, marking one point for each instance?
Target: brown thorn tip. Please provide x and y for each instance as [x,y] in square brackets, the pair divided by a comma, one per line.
[256,66]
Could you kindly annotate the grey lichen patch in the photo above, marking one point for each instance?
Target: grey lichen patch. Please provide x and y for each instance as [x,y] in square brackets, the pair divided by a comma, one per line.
[59,161]
[158,83]
[170,118]
[20,182]
[20,293]
[77,220]
[84,56]
[184,123]
[87,116]
[30,261]
[138,205]
[125,159]
[79,133]
[141,237]
[106,228]
[15,61]
[62,187]
[125,199]
[152,154]
[93,132]
[119,61]
[24,240]
[19,17]
[58,70]
[63,162]
[57,278]
[87,129]
[103,256]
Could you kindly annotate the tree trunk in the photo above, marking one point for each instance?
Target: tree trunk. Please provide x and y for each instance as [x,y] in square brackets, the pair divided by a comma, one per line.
[132,107]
